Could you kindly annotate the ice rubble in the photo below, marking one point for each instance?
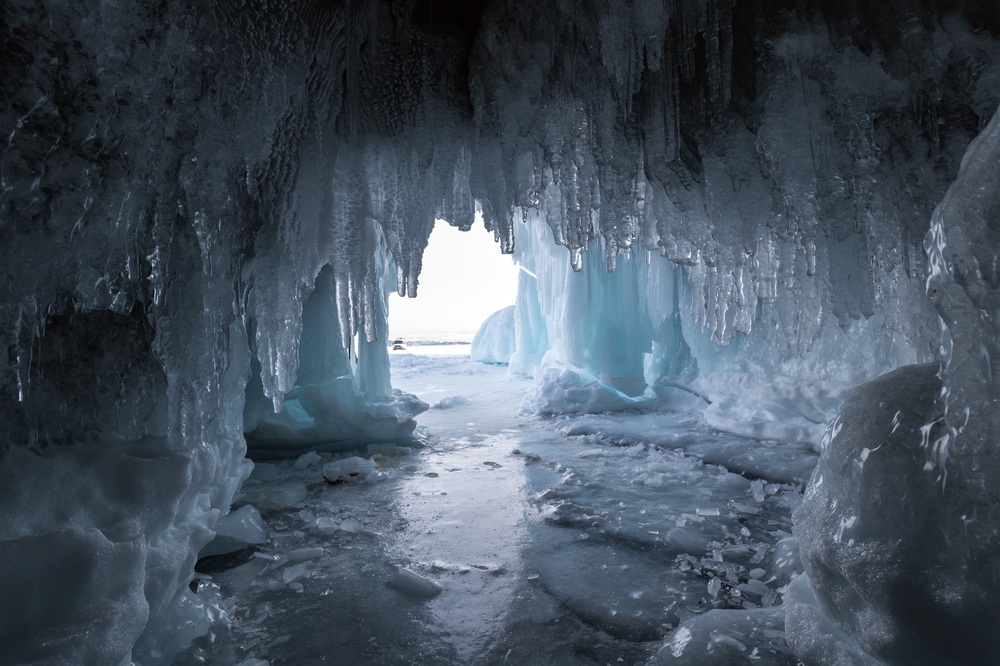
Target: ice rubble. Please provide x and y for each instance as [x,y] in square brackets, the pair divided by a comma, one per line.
[494,341]
[178,182]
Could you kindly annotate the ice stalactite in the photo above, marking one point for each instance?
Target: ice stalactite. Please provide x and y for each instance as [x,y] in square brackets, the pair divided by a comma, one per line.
[795,212]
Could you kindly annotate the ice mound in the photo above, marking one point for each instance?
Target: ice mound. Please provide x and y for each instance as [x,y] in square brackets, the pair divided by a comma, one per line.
[562,389]
[779,408]
[494,342]
[887,543]
[97,554]
[451,402]
[332,416]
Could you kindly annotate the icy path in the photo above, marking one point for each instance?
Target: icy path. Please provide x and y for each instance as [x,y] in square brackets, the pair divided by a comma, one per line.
[555,541]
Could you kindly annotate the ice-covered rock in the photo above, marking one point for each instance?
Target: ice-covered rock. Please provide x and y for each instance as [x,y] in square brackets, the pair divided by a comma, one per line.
[894,530]
[883,539]
[814,639]
[494,341]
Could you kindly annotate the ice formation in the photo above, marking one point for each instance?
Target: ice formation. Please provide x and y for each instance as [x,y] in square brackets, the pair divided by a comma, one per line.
[495,341]
[204,205]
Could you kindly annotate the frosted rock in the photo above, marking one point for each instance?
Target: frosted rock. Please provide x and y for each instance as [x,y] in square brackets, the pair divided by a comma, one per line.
[414,585]
[495,340]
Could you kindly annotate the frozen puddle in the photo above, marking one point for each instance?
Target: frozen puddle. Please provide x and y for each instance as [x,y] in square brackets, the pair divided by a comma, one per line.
[509,539]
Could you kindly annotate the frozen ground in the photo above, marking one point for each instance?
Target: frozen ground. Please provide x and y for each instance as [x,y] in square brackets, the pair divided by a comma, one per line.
[578,540]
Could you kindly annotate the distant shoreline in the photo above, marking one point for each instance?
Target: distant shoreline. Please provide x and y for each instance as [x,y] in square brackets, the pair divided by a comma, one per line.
[426,341]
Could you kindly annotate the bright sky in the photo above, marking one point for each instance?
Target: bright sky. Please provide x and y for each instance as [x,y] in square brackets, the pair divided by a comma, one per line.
[464,280]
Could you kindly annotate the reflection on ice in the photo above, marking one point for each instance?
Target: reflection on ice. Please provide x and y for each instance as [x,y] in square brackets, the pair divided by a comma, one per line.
[517,539]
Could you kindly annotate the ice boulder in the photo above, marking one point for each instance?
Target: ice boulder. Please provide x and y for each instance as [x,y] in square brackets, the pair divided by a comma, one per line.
[495,341]
[892,548]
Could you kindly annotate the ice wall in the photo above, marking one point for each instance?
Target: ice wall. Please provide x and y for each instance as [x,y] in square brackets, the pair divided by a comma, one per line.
[790,200]
[176,176]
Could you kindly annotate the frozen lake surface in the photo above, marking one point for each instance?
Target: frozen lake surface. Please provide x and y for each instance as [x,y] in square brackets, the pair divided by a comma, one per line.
[575,540]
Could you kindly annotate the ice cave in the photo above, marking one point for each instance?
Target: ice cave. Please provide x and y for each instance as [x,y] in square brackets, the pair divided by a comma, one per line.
[738,409]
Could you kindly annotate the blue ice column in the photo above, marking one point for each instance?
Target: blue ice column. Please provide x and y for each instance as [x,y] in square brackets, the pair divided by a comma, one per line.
[621,327]
[339,401]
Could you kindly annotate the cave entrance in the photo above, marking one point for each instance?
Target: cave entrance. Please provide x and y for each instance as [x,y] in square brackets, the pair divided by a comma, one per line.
[464,280]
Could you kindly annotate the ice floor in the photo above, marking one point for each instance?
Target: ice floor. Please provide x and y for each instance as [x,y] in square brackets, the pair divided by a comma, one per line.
[580,540]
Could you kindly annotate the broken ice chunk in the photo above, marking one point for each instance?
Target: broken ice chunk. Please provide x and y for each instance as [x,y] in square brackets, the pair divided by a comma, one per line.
[307,460]
[327,525]
[350,525]
[714,586]
[235,531]
[293,573]
[413,585]
[275,496]
[304,554]
[348,469]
